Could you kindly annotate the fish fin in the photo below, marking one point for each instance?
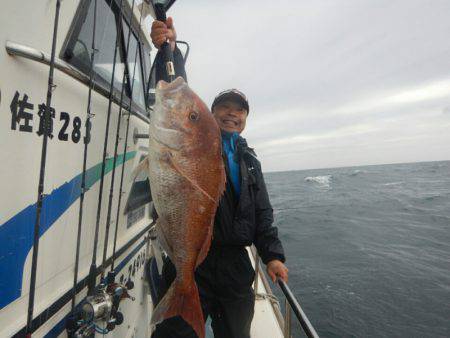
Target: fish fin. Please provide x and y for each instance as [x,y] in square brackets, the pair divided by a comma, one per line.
[162,238]
[194,184]
[181,302]
[143,165]
[205,247]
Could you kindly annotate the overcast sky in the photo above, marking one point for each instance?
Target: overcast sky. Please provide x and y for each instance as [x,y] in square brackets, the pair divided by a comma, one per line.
[330,83]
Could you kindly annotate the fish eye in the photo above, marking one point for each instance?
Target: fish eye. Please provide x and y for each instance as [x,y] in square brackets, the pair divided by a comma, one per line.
[193,116]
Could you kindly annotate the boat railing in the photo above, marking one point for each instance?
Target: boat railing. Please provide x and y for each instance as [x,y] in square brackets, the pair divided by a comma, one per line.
[291,304]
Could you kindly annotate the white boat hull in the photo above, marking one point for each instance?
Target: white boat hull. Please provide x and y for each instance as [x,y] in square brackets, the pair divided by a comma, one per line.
[23,87]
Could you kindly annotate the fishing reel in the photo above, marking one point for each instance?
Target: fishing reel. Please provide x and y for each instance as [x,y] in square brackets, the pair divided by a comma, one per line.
[100,308]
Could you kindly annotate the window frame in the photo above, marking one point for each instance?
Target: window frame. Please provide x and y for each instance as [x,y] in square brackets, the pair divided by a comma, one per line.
[145,194]
[135,30]
[71,38]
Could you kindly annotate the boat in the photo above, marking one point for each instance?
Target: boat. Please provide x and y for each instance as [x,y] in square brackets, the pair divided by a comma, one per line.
[78,257]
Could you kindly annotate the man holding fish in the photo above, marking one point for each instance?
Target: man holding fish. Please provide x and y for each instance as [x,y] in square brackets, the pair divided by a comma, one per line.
[194,153]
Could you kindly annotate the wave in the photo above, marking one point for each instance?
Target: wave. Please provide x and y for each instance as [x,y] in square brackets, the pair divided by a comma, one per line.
[431,197]
[324,181]
[358,172]
[392,183]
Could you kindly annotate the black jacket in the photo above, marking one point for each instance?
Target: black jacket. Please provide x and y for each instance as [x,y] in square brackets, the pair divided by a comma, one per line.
[248,220]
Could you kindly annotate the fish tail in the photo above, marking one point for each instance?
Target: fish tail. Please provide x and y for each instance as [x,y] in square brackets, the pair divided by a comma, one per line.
[184,302]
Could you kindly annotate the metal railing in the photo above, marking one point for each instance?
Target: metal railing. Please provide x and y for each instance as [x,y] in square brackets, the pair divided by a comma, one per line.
[290,303]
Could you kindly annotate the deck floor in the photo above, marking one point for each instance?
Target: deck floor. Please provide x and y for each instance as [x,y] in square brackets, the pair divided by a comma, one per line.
[265,323]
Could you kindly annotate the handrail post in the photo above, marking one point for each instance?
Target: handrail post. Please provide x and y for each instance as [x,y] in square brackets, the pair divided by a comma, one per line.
[287,319]
[257,266]
[291,304]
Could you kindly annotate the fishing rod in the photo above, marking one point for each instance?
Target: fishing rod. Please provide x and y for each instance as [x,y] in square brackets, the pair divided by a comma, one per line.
[165,48]
[125,148]
[166,51]
[102,302]
[116,145]
[152,68]
[86,142]
[47,124]
[93,268]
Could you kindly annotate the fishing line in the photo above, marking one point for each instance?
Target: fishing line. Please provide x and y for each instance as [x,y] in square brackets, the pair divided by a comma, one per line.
[47,121]
[92,271]
[116,145]
[86,142]
[125,146]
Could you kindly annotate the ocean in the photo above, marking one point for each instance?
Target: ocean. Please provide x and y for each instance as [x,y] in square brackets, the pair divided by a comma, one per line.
[368,248]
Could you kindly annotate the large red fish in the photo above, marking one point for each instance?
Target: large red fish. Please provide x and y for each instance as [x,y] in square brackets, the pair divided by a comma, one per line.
[187,178]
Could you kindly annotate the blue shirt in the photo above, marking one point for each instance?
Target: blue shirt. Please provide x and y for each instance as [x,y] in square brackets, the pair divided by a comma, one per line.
[229,148]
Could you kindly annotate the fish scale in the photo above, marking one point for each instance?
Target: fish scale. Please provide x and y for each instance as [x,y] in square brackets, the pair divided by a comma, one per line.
[187,179]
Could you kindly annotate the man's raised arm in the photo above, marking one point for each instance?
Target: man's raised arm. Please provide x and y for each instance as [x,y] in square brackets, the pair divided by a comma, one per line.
[162,32]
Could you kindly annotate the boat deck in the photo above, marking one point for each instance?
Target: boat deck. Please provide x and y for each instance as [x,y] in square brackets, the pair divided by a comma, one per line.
[265,323]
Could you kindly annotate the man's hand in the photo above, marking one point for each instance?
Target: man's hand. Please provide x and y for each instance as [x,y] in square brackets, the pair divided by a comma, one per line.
[162,32]
[276,269]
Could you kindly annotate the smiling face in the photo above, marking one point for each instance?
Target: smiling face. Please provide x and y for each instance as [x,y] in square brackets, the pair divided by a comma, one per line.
[230,116]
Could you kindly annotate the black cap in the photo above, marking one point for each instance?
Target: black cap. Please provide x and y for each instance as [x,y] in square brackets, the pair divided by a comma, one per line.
[231,95]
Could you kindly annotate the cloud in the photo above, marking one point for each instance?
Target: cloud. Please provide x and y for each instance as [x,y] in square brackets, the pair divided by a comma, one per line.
[400,97]
[330,84]
[317,137]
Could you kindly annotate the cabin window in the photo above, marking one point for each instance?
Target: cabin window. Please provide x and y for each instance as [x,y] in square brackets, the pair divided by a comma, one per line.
[79,48]
[147,61]
[140,195]
[135,67]
[135,216]
[147,58]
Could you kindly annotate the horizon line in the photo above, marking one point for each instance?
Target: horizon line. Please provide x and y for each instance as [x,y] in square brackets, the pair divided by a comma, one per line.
[354,166]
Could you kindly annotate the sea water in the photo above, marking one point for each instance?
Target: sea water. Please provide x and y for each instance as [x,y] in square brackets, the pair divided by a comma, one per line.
[368,248]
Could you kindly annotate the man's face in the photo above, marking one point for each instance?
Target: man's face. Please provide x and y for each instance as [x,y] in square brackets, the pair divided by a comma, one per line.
[230,116]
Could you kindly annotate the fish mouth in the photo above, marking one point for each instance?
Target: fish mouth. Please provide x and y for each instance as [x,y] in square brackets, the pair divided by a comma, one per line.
[166,144]
[168,137]
[175,85]
[166,92]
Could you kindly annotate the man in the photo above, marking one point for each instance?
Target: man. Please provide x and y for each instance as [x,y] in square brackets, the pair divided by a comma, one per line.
[244,217]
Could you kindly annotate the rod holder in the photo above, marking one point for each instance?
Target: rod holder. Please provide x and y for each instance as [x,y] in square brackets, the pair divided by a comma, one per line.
[137,136]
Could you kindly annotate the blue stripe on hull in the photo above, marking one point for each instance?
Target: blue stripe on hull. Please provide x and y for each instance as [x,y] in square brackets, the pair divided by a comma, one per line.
[16,234]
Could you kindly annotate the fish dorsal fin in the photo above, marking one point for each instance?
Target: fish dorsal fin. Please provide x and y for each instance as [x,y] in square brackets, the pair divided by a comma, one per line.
[192,182]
